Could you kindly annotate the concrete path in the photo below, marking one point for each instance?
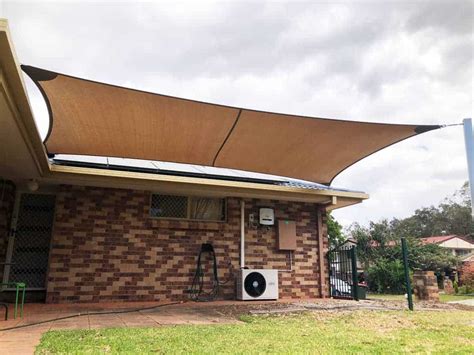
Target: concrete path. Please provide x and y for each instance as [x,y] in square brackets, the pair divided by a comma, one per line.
[464,302]
[24,340]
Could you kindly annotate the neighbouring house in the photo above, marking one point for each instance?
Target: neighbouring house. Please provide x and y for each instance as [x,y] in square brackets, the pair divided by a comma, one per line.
[458,245]
[349,243]
[115,202]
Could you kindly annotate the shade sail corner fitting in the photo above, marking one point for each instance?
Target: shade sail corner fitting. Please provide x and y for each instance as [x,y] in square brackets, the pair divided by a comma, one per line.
[93,118]
[37,74]
[426,128]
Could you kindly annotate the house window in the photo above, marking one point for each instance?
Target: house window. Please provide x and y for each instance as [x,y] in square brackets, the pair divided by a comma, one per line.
[461,252]
[188,207]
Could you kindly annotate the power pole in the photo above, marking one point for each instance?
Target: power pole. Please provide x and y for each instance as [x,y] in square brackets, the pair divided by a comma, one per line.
[469,141]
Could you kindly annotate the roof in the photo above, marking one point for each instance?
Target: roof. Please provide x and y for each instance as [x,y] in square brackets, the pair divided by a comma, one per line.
[189,170]
[349,240]
[376,244]
[468,258]
[440,239]
[98,119]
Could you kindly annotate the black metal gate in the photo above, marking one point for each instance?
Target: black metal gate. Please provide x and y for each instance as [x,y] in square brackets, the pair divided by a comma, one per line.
[343,272]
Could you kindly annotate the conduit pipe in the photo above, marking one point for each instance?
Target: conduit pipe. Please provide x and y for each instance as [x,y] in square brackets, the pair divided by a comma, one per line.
[242,234]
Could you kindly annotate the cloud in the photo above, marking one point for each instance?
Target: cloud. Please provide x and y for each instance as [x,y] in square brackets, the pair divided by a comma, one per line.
[404,62]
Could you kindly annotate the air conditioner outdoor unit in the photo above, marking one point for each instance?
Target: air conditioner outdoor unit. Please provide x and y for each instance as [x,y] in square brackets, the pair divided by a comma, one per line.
[255,284]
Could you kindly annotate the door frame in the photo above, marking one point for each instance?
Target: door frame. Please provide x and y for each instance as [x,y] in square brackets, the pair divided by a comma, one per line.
[12,233]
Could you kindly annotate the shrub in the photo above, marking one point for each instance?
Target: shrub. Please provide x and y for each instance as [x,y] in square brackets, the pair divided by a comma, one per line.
[387,276]
[467,284]
[456,286]
[468,280]
[465,289]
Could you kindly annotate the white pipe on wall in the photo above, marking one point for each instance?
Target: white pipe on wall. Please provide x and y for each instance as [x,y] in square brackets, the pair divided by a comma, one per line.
[242,234]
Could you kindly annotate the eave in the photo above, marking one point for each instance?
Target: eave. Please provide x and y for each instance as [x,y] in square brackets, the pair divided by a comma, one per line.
[198,186]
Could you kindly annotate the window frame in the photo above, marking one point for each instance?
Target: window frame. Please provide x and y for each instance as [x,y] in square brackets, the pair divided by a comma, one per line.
[188,209]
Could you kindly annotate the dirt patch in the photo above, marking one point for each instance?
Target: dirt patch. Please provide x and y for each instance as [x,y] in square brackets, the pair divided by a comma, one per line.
[235,310]
[383,324]
[332,306]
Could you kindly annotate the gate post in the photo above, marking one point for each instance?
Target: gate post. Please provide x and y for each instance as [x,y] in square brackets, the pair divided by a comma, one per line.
[355,279]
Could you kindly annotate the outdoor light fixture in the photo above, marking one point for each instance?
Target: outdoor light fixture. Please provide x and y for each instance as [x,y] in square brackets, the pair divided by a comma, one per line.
[32,185]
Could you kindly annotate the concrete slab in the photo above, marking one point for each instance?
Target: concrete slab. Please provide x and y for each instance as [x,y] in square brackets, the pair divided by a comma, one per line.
[71,323]
[105,321]
[464,302]
[137,320]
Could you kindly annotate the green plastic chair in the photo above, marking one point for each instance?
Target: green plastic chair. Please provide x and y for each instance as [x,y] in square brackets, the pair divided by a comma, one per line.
[19,287]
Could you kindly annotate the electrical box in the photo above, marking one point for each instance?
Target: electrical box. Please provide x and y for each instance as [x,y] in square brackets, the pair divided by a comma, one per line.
[267,216]
[286,235]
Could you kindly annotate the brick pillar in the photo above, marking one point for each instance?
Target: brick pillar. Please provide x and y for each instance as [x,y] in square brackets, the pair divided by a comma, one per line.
[323,245]
[426,286]
[448,286]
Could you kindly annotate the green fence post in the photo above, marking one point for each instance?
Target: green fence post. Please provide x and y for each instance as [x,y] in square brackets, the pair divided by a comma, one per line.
[407,273]
[23,285]
[329,272]
[355,279]
[16,300]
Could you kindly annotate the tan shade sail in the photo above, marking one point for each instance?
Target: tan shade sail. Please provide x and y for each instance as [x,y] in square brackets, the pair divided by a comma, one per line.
[92,118]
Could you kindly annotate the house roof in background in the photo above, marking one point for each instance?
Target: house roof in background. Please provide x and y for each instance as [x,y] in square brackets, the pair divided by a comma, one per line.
[376,244]
[468,258]
[98,119]
[442,238]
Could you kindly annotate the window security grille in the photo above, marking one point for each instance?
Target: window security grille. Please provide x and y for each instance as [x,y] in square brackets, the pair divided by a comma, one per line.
[32,239]
[167,206]
[186,207]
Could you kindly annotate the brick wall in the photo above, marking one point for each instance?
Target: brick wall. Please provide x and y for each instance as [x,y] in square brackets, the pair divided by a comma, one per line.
[466,272]
[106,248]
[7,200]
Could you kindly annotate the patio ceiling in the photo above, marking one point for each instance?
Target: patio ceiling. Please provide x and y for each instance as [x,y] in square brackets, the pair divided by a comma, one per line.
[92,118]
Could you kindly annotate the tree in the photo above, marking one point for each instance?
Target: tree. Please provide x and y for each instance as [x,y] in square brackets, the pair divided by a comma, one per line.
[373,246]
[387,276]
[379,248]
[335,234]
[452,216]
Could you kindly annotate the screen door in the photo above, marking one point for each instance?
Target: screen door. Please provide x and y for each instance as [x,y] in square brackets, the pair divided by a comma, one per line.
[30,238]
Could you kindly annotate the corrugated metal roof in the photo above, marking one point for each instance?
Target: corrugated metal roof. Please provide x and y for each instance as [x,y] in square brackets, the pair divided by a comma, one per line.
[160,167]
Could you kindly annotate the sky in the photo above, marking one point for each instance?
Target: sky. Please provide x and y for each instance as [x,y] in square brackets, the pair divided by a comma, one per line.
[398,62]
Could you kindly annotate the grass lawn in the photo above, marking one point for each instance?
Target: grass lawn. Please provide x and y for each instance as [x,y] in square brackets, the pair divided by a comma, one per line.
[328,332]
[442,297]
